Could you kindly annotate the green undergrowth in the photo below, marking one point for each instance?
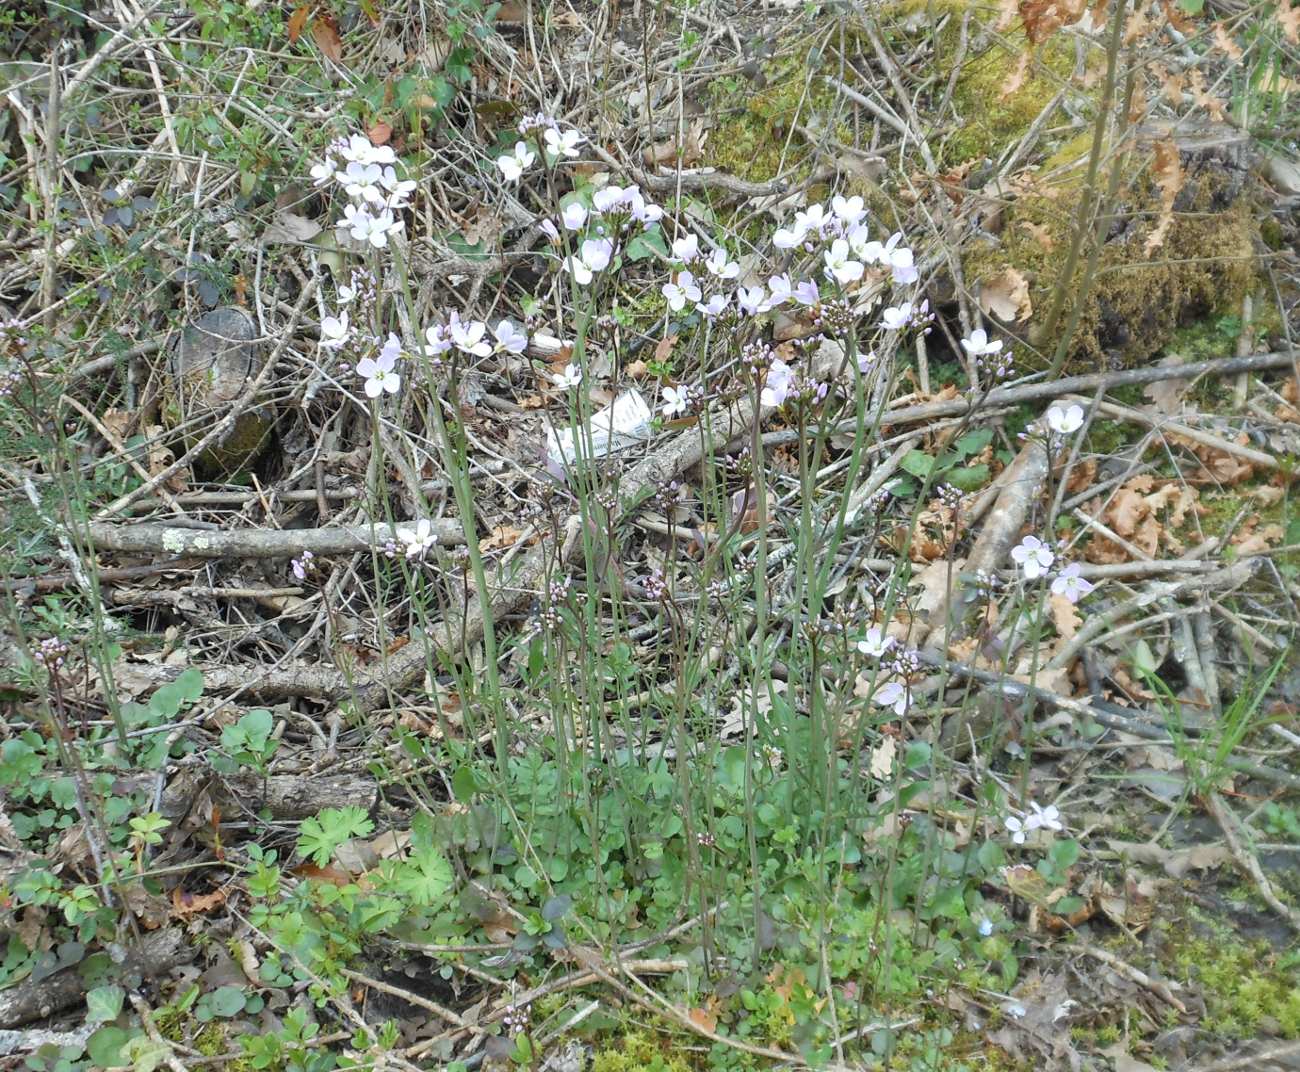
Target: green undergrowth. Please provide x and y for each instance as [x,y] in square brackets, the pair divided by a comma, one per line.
[1249,988]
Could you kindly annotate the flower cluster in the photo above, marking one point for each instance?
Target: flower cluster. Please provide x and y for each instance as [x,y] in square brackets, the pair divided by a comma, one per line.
[895,660]
[367,173]
[50,653]
[556,144]
[1039,818]
[988,355]
[302,565]
[1035,559]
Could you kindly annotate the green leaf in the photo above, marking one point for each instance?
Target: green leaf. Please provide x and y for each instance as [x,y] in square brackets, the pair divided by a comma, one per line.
[464,784]
[973,442]
[917,463]
[647,244]
[970,478]
[1064,853]
[227,1001]
[103,1004]
[320,836]
[104,1047]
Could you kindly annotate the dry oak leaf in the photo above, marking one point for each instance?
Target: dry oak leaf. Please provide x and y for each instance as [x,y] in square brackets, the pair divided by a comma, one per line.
[1225,41]
[190,904]
[1042,18]
[325,32]
[1252,542]
[1168,173]
[1065,616]
[1005,296]
[501,537]
[1016,79]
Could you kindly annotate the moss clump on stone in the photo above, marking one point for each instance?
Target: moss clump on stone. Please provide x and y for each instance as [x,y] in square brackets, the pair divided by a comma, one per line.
[1137,301]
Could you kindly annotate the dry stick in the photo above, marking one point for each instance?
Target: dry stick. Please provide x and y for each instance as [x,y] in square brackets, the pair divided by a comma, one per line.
[1103,713]
[1166,427]
[153,538]
[441,1011]
[223,426]
[1010,396]
[1156,986]
[1247,862]
[123,452]
[1253,1060]
[1022,480]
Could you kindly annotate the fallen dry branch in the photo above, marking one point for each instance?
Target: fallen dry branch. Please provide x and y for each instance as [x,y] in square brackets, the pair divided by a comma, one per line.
[1156,986]
[1247,862]
[156,954]
[1004,396]
[253,543]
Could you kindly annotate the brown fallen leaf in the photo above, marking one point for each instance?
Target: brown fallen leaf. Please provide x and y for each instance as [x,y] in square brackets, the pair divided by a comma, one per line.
[191,904]
[297,21]
[1065,615]
[1176,862]
[1167,170]
[380,132]
[501,537]
[1224,40]
[325,32]
[671,151]
[1005,296]
[1288,17]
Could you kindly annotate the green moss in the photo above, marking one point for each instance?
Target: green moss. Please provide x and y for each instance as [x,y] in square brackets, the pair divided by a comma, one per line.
[636,1052]
[1244,983]
[1137,302]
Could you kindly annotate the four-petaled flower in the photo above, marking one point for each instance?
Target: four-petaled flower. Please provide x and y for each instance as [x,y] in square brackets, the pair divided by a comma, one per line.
[1064,419]
[875,643]
[807,293]
[334,330]
[779,291]
[896,317]
[892,694]
[677,401]
[978,344]
[514,164]
[419,540]
[509,338]
[561,142]
[592,257]
[839,265]
[713,307]
[848,209]
[680,292]
[573,216]
[1033,556]
[751,300]
[570,377]
[1018,829]
[776,388]
[1071,583]
[719,265]
[686,248]
[468,336]
[379,374]
[1048,818]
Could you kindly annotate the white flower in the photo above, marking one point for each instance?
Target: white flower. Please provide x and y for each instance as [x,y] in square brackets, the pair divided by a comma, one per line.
[1048,818]
[848,209]
[323,172]
[778,287]
[676,401]
[379,375]
[570,377]
[1015,1010]
[573,216]
[593,257]
[468,336]
[901,265]
[807,293]
[362,182]
[1071,584]
[334,330]
[713,307]
[813,218]
[365,227]
[866,359]
[1033,556]
[686,248]
[788,238]
[398,189]
[875,643]
[866,251]
[896,317]
[894,695]
[548,228]
[514,164]
[839,265]
[776,387]
[718,265]
[391,350]
[509,338]
[358,149]
[978,344]
[1017,829]
[643,211]
[985,927]
[1064,419]
[418,540]
[680,292]
[346,294]
[561,143]
[751,300]
[438,342]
